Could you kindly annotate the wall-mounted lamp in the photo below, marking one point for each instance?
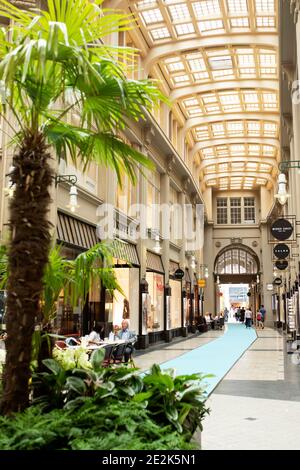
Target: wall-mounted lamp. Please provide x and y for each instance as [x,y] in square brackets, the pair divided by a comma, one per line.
[257,279]
[206,275]
[193,262]
[282,194]
[157,247]
[218,279]
[72,180]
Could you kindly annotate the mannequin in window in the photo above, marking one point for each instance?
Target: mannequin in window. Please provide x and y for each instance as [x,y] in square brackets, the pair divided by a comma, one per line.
[126,310]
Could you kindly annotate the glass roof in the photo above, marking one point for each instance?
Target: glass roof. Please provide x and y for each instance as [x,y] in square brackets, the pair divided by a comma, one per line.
[224,85]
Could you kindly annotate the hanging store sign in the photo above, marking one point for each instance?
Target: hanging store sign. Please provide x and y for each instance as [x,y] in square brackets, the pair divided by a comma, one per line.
[201,282]
[281,251]
[179,274]
[277,281]
[281,229]
[281,264]
[270,287]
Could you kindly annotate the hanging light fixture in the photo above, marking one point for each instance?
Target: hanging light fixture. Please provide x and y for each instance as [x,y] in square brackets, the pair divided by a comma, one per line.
[282,194]
[206,275]
[73,204]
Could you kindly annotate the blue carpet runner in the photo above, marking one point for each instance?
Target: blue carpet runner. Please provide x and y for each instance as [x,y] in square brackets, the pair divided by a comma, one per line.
[216,357]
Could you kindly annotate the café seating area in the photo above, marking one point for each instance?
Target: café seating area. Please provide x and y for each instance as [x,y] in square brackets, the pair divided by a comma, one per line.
[114,350]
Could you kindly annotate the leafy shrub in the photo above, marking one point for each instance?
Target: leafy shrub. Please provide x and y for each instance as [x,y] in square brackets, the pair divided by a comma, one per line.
[175,399]
[171,399]
[116,426]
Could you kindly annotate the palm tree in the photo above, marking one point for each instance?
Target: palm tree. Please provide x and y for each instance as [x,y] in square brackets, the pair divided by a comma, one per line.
[52,63]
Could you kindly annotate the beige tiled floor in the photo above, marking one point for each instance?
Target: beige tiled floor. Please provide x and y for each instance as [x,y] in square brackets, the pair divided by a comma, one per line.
[252,422]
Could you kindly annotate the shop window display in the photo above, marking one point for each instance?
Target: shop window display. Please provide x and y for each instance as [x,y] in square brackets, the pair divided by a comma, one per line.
[175,304]
[155,320]
[126,304]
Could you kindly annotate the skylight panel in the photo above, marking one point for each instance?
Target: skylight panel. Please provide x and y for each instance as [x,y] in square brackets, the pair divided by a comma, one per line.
[235,6]
[181,79]
[196,64]
[264,6]
[160,33]
[235,128]
[207,152]
[210,109]
[270,129]
[267,59]
[223,167]
[206,8]
[230,98]
[250,97]
[209,99]
[265,21]
[191,102]
[222,62]
[179,11]
[210,169]
[195,112]
[184,29]
[261,181]
[268,150]
[246,60]
[239,23]
[218,129]
[211,26]
[146,3]
[152,16]
[222,73]
[254,149]
[211,182]
[200,75]
[253,128]
[251,166]
[175,66]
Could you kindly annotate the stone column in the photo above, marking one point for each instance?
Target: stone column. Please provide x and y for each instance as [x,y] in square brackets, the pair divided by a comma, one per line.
[267,274]
[209,259]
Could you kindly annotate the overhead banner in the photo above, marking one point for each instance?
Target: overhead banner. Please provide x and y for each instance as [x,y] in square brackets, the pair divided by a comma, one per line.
[281,229]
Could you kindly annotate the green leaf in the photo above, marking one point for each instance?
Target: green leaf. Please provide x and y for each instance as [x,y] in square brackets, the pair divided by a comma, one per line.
[53,365]
[76,384]
[97,359]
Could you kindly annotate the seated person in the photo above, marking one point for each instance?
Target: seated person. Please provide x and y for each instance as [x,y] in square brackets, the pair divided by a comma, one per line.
[207,318]
[126,335]
[94,336]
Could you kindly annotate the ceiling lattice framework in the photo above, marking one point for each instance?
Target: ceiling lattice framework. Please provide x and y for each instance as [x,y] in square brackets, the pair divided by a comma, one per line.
[225,86]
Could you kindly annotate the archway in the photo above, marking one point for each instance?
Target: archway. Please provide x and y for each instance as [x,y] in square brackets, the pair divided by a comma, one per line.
[237,279]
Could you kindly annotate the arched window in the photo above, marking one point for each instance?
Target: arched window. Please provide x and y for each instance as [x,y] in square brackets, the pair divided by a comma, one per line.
[236,260]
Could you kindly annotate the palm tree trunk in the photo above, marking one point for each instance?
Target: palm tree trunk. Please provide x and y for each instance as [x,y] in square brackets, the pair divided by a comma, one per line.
[28,255]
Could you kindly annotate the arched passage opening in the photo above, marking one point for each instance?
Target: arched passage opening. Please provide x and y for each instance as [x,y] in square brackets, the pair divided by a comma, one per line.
[237,280]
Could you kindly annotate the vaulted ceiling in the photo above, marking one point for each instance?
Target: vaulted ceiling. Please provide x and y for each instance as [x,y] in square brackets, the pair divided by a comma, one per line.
[219,60]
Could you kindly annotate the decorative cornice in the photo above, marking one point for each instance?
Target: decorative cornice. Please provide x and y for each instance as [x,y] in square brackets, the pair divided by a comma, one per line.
[171,160]
[148,134]
[186,182]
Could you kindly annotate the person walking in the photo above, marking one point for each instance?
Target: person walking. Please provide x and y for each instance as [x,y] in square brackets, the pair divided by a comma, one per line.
[263,315]
[259,323]
[248,317]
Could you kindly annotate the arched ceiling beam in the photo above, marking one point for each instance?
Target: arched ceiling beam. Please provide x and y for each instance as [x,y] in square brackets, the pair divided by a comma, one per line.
[217,161]
[191,45]
[197,88]
[233,173]
[236,140]
[200,120]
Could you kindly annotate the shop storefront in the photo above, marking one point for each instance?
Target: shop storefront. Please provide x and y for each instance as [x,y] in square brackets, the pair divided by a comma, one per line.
[187,299]
[75,237]
[156,298]
[196,299]
[125,305]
